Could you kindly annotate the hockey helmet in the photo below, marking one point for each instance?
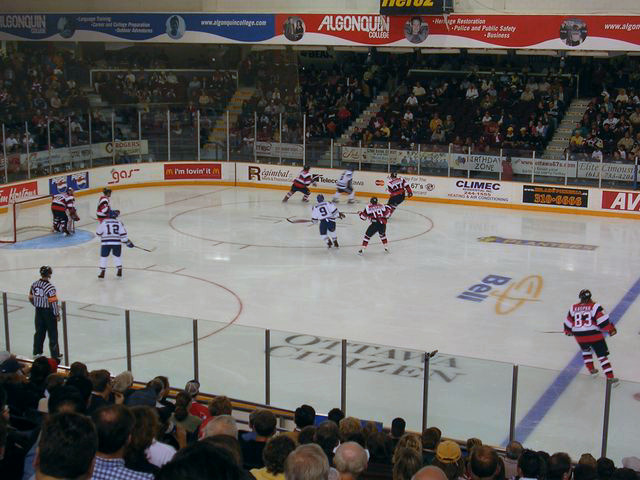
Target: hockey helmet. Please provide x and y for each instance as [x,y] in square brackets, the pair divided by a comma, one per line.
[394,174]
[46,271]
[114,213]
[320,198]
[585,295]
[374,200]
[305,168]
[106,191]
[70,191]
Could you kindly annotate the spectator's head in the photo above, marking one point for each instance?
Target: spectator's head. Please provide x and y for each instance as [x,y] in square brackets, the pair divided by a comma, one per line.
[183,401]
[431,438]
[584,471]
[201,461]
[276,452]
[348,426]
[145,429]
[307,462]
[559,466]
[264,423]
[483,463]
[165,386]
[101,381]
[530,464]
[113,424]
[304,415]
[66,398]
[588,459]
[429,473]
[40,370]
[306,435]
[449,459]
[406,462]
[327,436]
[397,427]
[335,415]
[473,442]
[410,440]
[67,447]
[514,449]
[380,448]
[192,387]
[83,385]
[220,405]
[122,382]
[350,460]
[221,425]
[230,444]
[605,468]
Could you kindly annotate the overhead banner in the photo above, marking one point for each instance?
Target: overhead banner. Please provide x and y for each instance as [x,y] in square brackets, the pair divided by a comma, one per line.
[556,32]
[404,7]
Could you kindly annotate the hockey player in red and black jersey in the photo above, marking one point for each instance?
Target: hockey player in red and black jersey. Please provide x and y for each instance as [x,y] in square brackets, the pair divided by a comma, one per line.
[104,205]
[301,184]
[378,215]
[397,187]
[63,208]
[586,321]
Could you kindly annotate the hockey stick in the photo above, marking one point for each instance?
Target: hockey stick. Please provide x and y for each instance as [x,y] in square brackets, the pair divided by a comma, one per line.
[145,249]
[552,331]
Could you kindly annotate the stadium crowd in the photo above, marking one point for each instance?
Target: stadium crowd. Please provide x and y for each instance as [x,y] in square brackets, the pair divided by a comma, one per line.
[610,126]
[84,424]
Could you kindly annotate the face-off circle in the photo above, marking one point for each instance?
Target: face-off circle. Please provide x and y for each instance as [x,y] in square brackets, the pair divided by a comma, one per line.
[269,224]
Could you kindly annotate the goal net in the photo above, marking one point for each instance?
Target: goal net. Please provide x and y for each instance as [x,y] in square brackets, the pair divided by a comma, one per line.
[25,219]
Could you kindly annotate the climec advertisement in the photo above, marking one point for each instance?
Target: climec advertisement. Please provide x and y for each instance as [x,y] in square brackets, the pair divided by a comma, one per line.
[557,32]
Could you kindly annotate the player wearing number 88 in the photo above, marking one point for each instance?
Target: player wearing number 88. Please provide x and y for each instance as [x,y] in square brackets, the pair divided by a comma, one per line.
[326,213]
[586,321]
[112,235]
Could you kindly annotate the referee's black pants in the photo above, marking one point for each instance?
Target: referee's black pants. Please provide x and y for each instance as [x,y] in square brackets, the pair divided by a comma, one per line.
[46,324]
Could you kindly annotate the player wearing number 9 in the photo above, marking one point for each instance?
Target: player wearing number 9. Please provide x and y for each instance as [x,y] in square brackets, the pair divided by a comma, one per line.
[586,321]
[112,235]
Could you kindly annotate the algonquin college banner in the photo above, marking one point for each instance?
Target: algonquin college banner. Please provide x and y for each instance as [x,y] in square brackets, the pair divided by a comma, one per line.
[556,32]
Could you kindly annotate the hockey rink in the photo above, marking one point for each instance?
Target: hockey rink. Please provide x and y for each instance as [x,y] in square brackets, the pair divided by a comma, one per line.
[240,261]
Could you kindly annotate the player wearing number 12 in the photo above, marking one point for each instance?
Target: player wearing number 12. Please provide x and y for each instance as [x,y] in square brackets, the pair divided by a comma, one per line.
[326,213]
[112,235]
[586,321]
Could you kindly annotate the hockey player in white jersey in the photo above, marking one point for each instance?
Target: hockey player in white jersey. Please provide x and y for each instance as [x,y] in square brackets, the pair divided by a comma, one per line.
[326,213]
[345,185]
[112,235]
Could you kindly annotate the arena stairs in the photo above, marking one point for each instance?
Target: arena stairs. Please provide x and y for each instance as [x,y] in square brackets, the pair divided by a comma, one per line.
[560,140]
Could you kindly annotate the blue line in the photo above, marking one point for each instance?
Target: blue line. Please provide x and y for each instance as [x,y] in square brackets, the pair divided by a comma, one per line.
[542,406]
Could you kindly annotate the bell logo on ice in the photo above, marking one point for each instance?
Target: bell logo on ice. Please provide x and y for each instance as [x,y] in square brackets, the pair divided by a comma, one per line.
[508,299]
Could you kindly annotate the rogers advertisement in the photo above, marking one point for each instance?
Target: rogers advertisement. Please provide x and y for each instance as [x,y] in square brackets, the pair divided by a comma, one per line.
[20,191]
[184,171]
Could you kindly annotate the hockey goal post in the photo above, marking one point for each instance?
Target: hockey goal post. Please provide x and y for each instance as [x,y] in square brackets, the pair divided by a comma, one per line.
[25,219]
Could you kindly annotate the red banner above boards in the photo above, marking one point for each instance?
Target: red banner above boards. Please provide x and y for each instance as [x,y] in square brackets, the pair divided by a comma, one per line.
[414,7]
[554,32]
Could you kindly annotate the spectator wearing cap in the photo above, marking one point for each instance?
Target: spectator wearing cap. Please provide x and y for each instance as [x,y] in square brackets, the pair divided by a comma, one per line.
[264,424]
[12,378]
[304,416]
[449,459]
[192,387]
[512,454]
[121,386]
[484,463]
[275,453]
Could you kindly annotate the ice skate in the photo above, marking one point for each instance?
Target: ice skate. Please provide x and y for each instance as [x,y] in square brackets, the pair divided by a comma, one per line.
[119,274]
[101,274]
[335,243]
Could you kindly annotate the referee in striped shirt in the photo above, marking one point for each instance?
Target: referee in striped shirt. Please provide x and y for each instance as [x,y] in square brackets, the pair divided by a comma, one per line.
[42,295]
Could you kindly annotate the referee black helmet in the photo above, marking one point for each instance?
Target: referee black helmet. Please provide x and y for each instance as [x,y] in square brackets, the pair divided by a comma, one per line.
[45,271]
